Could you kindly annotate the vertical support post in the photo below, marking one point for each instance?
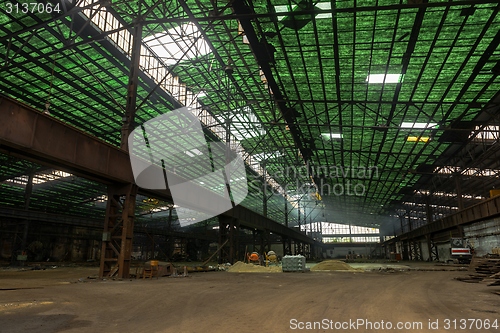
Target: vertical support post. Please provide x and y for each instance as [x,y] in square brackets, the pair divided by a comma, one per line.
[234,228]
[27,198]
[133,82]
[299,248]
[264,192]
[298,214]
[432,248]
[223,237]
[409,221]
[459,192]
[428,209]
[228,231]
[286,210]
[401,221]
[404,245]
[16,249]
[287,246]
[118,231]
[120,211]
[264,241]
[169,239]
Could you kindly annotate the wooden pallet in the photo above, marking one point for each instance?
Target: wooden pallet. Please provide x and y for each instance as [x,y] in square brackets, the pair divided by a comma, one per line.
[485,271]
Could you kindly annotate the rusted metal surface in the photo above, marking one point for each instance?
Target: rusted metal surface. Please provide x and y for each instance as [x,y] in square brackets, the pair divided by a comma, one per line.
[28,133]
[481,211]
[118,231]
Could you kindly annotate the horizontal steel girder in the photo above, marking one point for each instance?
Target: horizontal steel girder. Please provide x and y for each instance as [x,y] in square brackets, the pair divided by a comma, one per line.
[30,134]
[481,211]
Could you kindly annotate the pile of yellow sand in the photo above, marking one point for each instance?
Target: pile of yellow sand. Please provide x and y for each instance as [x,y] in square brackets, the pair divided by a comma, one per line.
[333,265]
[241,267]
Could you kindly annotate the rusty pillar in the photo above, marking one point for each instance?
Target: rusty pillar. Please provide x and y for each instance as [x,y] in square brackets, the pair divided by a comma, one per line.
[118,231]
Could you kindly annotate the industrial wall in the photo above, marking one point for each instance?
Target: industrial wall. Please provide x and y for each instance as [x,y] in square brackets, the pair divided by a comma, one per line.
[483,237]
[53,243]
[340,252]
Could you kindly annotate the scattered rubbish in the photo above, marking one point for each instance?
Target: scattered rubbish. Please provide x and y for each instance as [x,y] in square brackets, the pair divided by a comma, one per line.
[486,271]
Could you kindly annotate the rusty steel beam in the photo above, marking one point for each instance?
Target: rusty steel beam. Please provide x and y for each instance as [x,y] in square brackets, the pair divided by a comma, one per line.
[30,134]
[486,209]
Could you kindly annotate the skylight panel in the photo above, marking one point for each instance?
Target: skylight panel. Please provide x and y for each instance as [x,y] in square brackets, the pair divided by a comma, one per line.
[418,125]
[332,135]
[282,9]
[193,152]
[489,133]
[384,78]
[180,43]
[325,6]
[320,5]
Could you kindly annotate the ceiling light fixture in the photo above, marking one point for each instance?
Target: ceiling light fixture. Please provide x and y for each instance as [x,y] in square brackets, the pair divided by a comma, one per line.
[418,139]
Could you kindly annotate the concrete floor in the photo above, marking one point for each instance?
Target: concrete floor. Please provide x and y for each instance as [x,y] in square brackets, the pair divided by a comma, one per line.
[64,300]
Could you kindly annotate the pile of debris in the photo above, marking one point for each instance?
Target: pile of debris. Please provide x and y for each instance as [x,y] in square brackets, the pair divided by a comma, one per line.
[333,265]
[241,267]
[486,270]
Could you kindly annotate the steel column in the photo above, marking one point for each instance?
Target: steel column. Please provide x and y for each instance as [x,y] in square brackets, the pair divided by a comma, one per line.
[415,250]
[118,231]
[133,82]
[460,198]
[228,239]
[287,246]
[432,248]
[299,248]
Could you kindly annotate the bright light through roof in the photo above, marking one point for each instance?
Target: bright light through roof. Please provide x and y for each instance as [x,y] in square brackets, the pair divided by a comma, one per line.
[266,156]
[324,5]
[171,45]
[418,125]
[193,152]
[333,135]
[320,5]
[384,78]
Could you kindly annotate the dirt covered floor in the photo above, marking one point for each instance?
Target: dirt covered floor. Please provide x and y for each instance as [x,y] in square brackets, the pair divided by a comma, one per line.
[64,300]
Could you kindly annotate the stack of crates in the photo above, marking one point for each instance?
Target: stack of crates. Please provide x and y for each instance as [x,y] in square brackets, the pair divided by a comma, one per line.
[293,263]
